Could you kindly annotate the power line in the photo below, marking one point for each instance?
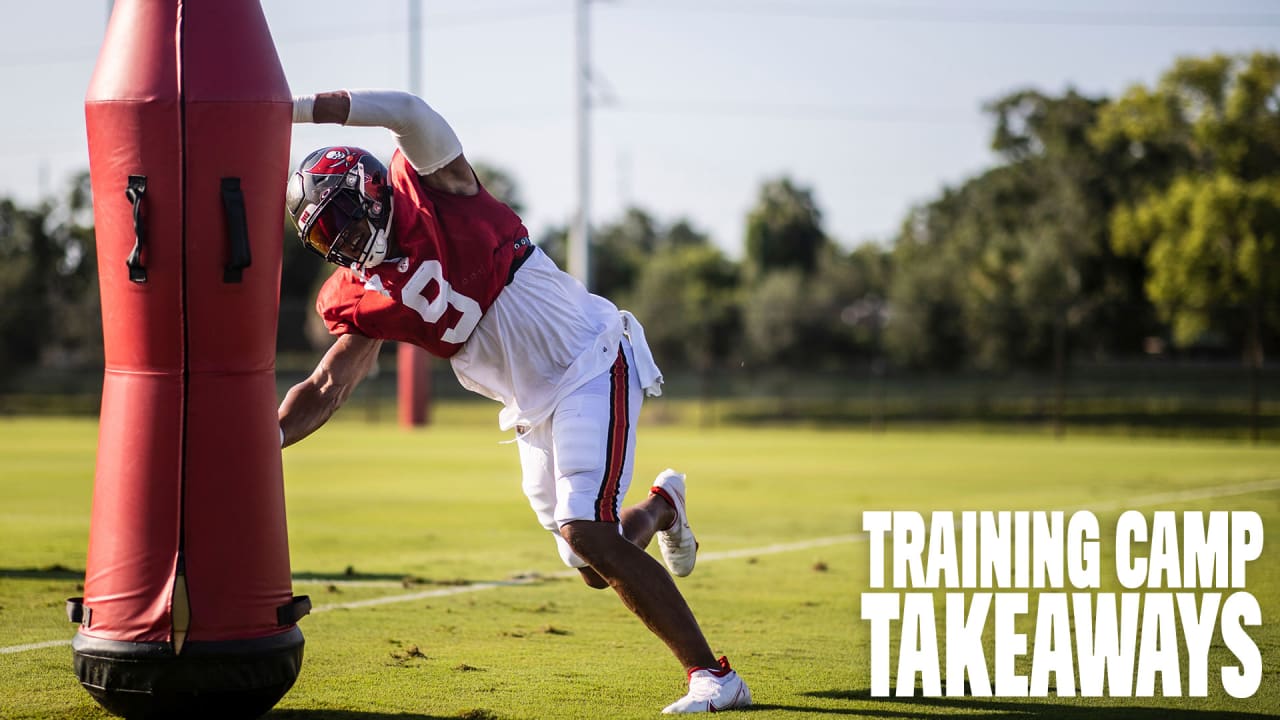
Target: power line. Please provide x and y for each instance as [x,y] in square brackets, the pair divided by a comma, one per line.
[857,113]
[957,15]
[81,54]
[759,8]
[507,13]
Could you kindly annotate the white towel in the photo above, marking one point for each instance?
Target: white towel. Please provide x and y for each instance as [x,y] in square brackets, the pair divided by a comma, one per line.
[650,375]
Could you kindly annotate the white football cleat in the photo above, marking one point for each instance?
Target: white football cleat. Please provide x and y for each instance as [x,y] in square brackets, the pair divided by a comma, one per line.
[712,690]
[678,545]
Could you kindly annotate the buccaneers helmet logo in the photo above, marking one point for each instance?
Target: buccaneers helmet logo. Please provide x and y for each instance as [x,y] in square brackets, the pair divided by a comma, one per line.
[335,162]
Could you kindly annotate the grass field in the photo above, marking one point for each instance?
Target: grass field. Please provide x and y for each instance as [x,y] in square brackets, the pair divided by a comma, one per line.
[425,520]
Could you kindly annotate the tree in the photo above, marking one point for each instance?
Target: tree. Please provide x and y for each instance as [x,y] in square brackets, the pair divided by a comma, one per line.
[500,184]
[49,305]
[792,302]
[687,293]
[24,253]
[923,328]
[853,292]
[784,229]
[1071,281]
[1210,236]
[301,274]
[74,301]
[953,297]
[554,241]
[772,317]
[619,250]
[1014,266]
[1211,245]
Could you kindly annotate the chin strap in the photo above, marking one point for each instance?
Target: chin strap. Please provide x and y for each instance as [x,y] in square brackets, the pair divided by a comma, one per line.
[378,249]
[378,243]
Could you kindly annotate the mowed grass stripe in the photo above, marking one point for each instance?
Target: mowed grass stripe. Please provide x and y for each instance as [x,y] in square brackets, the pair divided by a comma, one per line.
[482,587]
[1207,493]
[442,509]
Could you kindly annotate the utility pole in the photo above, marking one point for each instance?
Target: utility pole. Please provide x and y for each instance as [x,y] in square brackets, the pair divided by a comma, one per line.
[580,236]
[413,364]
[415,47]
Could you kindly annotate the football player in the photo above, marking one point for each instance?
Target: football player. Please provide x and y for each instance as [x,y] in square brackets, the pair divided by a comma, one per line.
[425,255]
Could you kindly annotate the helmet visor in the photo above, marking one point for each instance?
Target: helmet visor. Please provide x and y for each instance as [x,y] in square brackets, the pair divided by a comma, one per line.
[340,230]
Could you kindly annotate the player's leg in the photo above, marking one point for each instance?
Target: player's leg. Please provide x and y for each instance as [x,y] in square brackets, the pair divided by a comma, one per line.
[644,586]
[647,590]
[640,522]
[538,475]
[593,439]
[593,435]
[662,513]
[538,478]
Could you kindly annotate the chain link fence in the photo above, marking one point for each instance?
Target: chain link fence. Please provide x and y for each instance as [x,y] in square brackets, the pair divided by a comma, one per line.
[1137,397]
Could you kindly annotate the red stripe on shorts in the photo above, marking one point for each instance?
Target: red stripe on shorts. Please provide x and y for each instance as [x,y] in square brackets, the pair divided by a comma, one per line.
[616,440]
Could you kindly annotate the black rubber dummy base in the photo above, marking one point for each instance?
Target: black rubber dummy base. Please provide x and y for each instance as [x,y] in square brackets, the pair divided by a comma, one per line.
[230,679]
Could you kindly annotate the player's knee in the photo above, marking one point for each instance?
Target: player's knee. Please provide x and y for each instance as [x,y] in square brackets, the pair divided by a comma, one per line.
[594,542]
[573,560]
[593,579]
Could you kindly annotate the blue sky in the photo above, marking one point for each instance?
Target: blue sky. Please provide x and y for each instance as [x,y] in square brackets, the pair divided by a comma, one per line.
[874,105]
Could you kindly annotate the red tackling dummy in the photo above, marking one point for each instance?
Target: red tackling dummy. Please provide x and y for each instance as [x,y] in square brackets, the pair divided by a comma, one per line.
[188,605]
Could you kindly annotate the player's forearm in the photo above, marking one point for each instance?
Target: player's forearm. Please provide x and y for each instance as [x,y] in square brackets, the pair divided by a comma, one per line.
[311,403]
[326,107]
[424,136]
[307,406]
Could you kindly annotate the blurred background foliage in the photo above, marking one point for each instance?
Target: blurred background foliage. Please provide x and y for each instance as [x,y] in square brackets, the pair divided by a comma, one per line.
[1119,265]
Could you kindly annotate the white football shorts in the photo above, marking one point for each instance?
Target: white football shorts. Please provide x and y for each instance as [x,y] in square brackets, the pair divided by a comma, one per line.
[577,463]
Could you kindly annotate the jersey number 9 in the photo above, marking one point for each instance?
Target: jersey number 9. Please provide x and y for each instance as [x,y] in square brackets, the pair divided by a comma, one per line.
[432,310]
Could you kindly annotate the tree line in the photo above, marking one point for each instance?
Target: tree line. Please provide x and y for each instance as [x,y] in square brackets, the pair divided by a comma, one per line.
[1109,227]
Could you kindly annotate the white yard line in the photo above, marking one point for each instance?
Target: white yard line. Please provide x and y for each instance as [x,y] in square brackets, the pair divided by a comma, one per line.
[1176,496]
[781,547]
[423,595]
[33,646]
[1181,496]
[353,583]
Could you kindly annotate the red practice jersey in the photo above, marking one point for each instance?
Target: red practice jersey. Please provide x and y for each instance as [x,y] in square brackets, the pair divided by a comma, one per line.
[457,253]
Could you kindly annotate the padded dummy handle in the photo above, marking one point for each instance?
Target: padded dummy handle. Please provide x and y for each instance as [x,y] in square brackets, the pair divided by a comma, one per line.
[238,256]
[77,612]
[293,611]
[136,189]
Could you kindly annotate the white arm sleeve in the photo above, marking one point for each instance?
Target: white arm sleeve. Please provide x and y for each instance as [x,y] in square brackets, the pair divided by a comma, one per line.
[426,140]
[303,108]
